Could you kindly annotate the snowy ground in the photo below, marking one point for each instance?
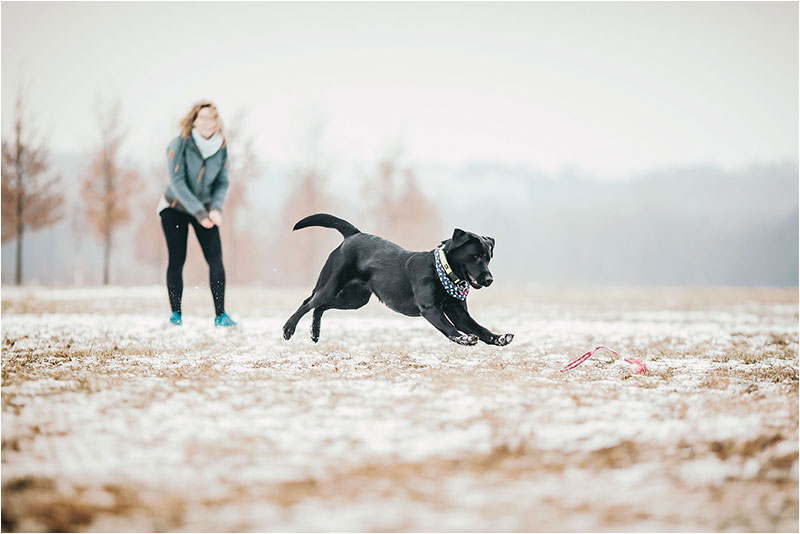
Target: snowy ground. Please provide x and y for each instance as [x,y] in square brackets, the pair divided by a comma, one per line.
[113,420]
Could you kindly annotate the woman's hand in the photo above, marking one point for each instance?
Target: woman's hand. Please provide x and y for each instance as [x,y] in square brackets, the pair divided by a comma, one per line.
[207,223]
[216,217]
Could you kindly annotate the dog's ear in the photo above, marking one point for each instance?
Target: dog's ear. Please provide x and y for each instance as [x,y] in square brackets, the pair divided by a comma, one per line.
[490,242]
[459,238]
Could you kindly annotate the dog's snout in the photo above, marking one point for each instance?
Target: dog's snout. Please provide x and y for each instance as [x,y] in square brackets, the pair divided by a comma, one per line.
[486,280]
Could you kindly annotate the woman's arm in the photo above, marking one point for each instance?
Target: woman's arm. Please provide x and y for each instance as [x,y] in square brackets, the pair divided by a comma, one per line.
[220,185]
[177,181]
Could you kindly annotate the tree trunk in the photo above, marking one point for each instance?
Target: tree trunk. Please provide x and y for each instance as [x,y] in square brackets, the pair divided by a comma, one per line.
[106,257]
[109,223]
[20,231]
[20,210]
[18,274]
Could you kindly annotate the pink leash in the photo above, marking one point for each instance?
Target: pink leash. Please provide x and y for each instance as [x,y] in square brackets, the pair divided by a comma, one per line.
[638,366]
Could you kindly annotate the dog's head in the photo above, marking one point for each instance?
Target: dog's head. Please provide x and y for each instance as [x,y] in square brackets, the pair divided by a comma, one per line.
[468,255]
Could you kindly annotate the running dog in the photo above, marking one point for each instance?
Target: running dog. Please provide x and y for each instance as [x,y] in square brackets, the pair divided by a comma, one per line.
[432,284]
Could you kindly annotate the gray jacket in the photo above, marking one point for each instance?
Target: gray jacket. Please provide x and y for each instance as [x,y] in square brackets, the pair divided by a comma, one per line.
[196,185]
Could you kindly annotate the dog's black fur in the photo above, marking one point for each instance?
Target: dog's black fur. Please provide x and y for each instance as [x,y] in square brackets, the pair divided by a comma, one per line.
[405,281]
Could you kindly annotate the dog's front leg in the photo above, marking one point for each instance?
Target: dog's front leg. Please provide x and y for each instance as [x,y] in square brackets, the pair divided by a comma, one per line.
[457,312]
[437,318]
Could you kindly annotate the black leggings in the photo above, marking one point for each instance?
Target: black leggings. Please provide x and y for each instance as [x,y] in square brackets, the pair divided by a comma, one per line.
[176,230]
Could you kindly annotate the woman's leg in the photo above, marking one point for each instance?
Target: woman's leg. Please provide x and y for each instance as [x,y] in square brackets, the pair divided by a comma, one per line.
[212,250]
[176,229]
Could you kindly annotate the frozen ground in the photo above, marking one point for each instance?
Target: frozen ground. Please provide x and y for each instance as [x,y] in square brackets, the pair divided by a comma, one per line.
[113,420]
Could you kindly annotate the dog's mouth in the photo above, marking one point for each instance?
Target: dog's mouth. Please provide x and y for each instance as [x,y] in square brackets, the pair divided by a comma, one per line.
[473,281]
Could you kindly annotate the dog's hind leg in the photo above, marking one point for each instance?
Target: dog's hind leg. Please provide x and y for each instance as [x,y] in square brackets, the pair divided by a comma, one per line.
[320,297]
[291,323]
[353,296]
[328,286]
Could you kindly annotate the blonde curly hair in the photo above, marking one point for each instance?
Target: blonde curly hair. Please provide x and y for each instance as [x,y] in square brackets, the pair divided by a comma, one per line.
[187,122]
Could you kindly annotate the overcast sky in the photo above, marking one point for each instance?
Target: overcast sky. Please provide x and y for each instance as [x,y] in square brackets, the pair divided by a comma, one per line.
[608,88]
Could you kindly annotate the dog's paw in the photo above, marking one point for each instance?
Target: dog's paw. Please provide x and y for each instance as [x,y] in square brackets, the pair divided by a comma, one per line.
[314,334]
[503,339]
[288,331]
[465,339]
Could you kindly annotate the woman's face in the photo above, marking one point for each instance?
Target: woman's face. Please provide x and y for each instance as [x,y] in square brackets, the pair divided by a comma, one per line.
[206,122]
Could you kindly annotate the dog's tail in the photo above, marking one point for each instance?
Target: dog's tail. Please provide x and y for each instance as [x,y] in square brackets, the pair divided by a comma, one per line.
[328,221]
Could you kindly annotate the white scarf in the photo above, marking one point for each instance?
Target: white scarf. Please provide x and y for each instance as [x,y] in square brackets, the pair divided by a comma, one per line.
[208,147]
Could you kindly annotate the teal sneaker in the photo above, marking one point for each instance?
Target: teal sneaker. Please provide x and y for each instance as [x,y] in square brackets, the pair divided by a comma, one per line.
[175,319]
[224,320]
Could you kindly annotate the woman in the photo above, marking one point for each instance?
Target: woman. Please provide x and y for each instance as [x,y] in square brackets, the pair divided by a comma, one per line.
[198,182]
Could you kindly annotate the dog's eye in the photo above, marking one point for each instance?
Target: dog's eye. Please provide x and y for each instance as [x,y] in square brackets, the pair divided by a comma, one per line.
[477,256]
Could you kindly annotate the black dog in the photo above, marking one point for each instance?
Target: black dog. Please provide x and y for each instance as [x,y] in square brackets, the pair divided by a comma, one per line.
[407,282]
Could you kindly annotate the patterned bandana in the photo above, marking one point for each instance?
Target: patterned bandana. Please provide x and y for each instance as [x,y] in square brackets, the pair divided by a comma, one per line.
[459,291]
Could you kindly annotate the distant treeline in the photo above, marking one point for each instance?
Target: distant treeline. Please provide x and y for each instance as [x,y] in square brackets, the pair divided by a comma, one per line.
[694,225]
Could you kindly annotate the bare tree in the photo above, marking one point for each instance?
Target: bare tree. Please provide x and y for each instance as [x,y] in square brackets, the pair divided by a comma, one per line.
[30,199]
[108,188]
[397,209]
[418,225]
[150,246]
[238,235]
[302,254]
[382,189]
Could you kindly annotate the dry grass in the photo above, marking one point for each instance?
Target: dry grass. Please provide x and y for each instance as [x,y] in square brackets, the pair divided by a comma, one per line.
[113,421]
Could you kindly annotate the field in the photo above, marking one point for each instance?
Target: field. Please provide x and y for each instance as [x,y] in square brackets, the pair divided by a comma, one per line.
[114,420]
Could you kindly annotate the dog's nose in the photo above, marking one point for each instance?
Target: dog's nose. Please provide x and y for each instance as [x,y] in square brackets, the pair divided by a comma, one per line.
[487,280]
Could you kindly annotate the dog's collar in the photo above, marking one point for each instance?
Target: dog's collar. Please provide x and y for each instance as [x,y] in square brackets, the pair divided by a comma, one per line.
[454,286]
